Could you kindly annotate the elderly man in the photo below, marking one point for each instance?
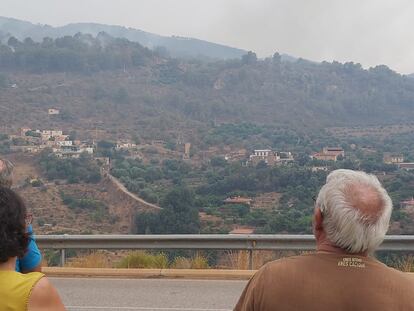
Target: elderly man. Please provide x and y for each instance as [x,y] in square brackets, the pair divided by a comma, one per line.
[351,218]
[31,262]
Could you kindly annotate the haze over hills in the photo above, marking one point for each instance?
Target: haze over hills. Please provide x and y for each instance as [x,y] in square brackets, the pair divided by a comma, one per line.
[176,46]
[105,78]
[109,89]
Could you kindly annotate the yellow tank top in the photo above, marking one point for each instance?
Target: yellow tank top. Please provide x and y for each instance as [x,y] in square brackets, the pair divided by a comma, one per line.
[15,289]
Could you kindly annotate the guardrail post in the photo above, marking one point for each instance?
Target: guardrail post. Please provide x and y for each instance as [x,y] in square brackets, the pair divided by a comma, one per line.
[252,247]
[62,257]
[250,259]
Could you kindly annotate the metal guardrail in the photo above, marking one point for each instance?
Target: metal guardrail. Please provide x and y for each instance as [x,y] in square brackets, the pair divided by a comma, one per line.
[250,243]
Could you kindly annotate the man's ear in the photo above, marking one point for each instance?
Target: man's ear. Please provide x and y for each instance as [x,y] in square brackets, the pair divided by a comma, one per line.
[318,230]
[318,219]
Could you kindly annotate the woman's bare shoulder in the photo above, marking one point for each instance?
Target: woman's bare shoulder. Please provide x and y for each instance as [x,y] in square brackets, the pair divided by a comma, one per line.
[45,297]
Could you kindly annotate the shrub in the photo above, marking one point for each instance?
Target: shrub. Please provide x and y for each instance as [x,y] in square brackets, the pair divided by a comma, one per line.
[36,183]
[197,262]
[181,263]
[144,260]
[93,260]
[83,204]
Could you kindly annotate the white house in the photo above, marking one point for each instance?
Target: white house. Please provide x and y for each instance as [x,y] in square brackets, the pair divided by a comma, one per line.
[64,143]
[53,111]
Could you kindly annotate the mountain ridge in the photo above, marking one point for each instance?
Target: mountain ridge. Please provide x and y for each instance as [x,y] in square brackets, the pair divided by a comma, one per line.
[177,46]
[111,74]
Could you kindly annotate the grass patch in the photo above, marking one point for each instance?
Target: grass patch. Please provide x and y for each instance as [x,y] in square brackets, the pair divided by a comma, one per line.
[405,263]
[197,262]
[144,260]
[93,260]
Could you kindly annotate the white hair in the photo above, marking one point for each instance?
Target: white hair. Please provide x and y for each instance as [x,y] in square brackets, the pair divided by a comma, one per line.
[346,225]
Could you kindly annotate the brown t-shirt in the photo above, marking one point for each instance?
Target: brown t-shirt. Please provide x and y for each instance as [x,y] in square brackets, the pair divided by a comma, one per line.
[328,282]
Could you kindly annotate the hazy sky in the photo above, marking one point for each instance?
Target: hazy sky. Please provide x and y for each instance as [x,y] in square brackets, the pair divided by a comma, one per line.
[367,31]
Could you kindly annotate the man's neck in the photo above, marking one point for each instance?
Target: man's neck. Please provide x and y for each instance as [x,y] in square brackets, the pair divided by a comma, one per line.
[328,247]
[8,265]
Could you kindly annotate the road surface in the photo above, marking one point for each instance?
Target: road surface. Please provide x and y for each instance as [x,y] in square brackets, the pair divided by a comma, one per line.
[93,294]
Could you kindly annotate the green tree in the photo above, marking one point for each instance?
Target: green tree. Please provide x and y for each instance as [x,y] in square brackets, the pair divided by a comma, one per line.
[249,58]
[121,96]
[178,215]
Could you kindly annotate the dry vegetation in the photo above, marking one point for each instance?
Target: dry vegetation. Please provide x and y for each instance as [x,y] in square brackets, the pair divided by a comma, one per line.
[376,131]
[406,263]
[136,260]
[92,260]
[234,260]
[52,216]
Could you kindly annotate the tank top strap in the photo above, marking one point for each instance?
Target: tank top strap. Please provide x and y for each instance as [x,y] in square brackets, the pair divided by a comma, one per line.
[15,289]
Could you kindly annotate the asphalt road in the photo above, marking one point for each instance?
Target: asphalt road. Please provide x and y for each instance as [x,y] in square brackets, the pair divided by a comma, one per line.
[83,294]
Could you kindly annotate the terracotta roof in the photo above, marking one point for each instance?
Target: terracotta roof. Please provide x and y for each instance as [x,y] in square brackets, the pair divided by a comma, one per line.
[242,231]
[408,202]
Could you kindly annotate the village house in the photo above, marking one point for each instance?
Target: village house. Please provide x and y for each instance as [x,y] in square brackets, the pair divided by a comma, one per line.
[125,146]
[87,149]
[53,111]
[61,138]
[238,200]
[72,151]
[51,134]
[319,169]
[24,130]
[270,157]
[266,155]
[390,158]
[285,156]
[329,154]
[407,203]
[406,166]
[64,143]
[50,143]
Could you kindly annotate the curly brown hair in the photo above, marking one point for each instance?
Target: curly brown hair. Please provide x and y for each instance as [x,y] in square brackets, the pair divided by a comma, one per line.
[13,236]
[6,172]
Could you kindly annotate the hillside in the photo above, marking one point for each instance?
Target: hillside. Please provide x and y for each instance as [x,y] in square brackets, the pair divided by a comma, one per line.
[176,46]
[111,90]
[121,88]
[61,206]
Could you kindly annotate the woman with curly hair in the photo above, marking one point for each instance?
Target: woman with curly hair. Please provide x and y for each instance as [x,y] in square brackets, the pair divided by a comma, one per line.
[20,292]
[32,260]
